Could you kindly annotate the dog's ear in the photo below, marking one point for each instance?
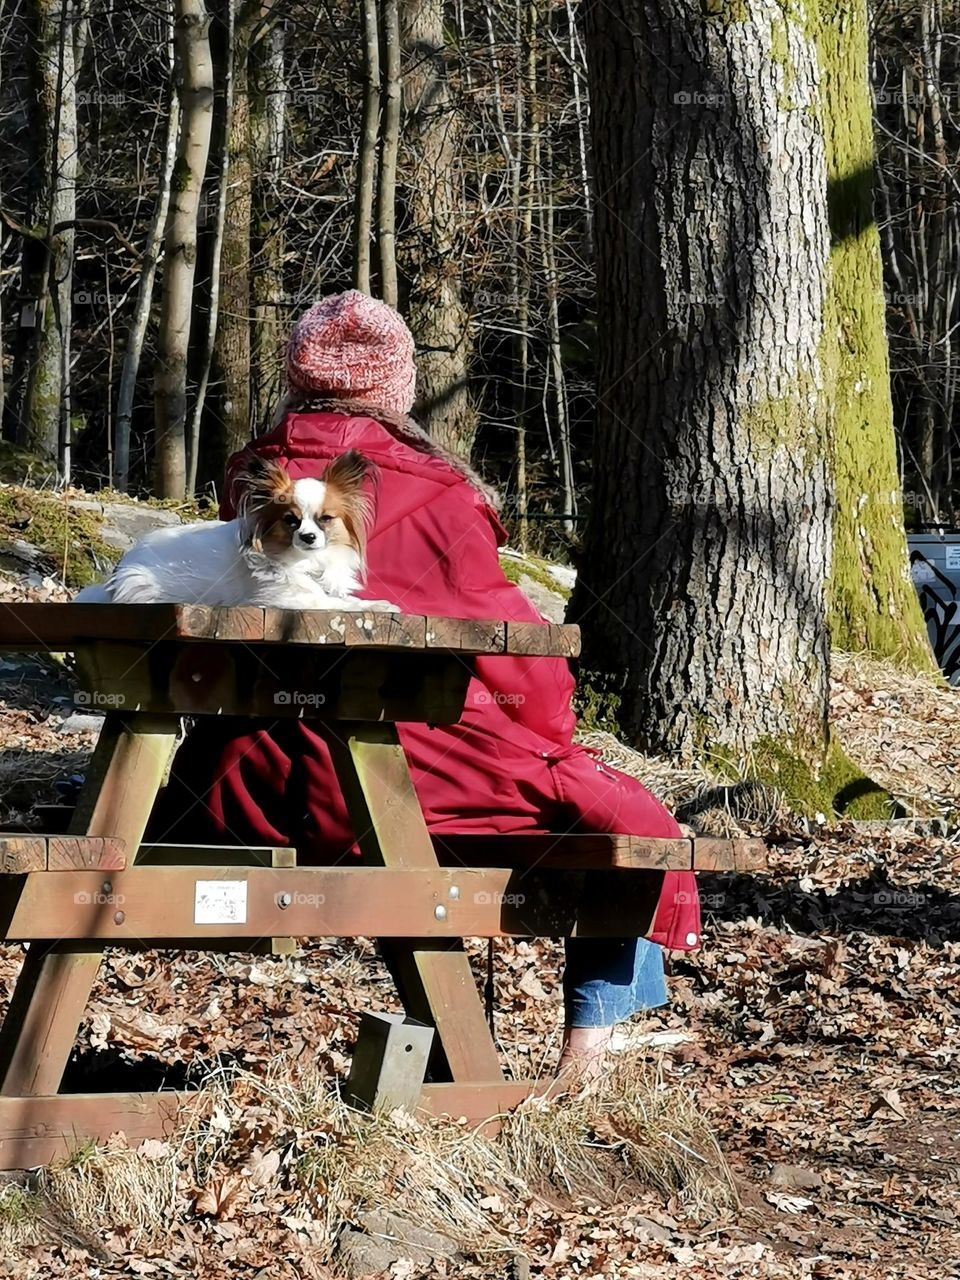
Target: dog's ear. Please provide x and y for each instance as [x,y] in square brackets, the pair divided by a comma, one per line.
[259,481]
[348,497]
[348,472]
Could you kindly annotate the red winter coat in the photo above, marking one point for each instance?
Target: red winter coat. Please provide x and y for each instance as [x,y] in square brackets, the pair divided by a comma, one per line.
[508,766]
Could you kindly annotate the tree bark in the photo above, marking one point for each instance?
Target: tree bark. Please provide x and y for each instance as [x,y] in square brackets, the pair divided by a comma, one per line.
[389,147]
[702,586]
[229,412]
[429,261]
[873,603]
[267,124]
[191,25]
[141,312]
[44,416]
[367,153]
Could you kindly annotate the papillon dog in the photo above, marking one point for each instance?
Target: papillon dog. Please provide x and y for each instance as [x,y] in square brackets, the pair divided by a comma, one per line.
[294,544]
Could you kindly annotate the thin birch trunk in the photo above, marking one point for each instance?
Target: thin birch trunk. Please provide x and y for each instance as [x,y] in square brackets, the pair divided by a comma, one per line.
[389,145]
[216,253]
[581,107]
[141,311]
[551,283]
[180,250]
[367,159]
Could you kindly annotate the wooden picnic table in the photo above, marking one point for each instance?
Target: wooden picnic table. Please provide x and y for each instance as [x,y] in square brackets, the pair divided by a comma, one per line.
[355,676]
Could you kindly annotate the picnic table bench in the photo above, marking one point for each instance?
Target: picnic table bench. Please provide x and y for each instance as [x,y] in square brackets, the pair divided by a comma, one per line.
[355,676]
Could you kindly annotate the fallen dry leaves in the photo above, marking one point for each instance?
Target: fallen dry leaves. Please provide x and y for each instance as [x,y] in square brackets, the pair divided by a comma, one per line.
[817,1030]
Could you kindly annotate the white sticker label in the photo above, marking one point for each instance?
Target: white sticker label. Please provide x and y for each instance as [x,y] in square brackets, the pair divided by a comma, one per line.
[220,902]
[953,556]
[920,571]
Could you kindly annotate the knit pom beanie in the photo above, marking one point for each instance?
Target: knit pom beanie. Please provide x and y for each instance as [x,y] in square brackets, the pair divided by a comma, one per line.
[351,346]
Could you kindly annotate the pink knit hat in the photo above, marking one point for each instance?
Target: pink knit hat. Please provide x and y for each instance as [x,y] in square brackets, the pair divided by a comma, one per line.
[354,347]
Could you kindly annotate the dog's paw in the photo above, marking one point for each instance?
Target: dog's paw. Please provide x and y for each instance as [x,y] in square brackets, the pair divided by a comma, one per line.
[378,606]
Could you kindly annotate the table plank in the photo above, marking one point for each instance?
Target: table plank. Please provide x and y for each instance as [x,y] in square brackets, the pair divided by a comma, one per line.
[431,908]
[36,1130]
[63,626]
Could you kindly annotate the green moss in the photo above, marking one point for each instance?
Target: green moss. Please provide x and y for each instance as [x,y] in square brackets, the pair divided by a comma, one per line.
[837,788]
[516,570]
[873,605]
[68,536]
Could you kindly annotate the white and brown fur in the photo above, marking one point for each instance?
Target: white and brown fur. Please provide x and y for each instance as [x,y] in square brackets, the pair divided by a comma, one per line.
[294,544]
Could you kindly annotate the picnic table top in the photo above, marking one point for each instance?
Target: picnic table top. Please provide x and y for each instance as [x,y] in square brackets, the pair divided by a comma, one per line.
[65,626]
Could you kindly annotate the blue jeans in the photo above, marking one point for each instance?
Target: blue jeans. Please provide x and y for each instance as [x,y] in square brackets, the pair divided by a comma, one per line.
[606,980]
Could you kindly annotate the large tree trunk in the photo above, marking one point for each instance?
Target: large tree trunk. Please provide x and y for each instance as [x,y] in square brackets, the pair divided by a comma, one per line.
[702,588]
[44,414]
[180,249]
[743,379]
[429,260]
[873,603]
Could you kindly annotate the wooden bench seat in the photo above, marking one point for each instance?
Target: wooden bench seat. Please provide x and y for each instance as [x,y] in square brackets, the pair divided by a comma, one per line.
[20,854]
[589,852]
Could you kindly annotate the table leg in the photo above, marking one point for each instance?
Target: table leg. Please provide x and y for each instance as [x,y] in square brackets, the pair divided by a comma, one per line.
[127,770]
[434,976]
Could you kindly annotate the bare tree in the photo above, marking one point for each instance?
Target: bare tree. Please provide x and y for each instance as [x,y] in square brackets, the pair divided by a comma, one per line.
[431,248]
[137,329]
[267,123]
[389,146]
[180,250]
[367,147]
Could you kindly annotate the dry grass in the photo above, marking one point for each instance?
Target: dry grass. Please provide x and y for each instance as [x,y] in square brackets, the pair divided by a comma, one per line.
[75,1199]
[328,1164]
[668,781]
[648,1132]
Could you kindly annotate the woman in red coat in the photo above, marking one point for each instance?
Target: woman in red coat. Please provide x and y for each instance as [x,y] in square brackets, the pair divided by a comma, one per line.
[509,765]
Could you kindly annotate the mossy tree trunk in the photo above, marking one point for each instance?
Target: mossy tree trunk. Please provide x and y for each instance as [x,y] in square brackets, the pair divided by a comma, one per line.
[702,586]
[873,603]
[427,249]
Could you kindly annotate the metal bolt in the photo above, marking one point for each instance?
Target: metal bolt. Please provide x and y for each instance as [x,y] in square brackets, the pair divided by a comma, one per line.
[106,887]
[440,912]
[453,892]
[284,900]
[119,917]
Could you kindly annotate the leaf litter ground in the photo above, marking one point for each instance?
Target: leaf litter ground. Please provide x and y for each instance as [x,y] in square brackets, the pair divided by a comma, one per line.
[813,1040]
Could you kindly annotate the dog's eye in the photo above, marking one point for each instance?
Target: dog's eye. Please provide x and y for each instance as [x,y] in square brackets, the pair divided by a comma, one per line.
[324,519]
[291,521]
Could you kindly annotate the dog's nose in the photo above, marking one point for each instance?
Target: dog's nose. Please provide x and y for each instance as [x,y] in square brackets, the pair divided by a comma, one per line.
[307,537]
